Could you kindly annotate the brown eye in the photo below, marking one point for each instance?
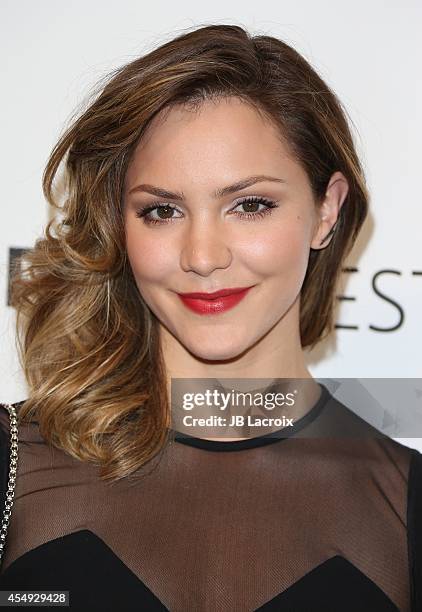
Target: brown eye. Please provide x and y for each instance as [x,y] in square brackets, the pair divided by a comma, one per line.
[165,212]
[250,206]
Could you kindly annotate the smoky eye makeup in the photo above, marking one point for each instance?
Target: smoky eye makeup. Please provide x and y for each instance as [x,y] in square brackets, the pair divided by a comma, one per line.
[250,203]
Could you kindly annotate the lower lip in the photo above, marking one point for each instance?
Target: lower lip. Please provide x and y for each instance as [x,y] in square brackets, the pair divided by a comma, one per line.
[215,306]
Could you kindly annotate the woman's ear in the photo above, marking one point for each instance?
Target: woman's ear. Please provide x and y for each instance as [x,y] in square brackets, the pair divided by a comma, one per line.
[329,210]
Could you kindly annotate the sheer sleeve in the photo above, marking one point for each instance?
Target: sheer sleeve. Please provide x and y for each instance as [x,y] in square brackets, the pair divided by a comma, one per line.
[414,531]
[4,455]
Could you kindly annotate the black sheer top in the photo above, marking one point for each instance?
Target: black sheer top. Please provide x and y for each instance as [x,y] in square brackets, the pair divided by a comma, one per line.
[325,518]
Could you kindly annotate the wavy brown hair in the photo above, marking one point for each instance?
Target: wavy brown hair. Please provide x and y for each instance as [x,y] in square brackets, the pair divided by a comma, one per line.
[87,342]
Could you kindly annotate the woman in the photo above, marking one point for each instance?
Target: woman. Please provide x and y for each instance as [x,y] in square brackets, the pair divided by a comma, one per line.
[219,161]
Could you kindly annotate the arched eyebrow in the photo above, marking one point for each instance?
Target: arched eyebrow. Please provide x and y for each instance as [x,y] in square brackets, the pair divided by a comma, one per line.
[218,193]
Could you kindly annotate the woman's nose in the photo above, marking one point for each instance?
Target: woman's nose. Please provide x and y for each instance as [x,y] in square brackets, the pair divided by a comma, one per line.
[205,247]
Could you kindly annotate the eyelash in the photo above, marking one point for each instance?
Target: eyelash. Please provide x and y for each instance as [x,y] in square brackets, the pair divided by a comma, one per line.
[143,212]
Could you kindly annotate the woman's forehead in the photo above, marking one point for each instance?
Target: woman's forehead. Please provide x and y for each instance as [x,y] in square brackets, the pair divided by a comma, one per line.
[217,142]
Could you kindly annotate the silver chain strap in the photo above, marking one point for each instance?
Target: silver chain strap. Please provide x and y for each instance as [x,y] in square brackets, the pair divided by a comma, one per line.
[12,475]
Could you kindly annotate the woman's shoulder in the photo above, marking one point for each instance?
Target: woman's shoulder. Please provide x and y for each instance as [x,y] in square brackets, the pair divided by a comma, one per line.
[6,419]
[5,447]
[415,489]
[353,445]
[416,464]
[28,430]
[5,413]
[38,458]
[32,449]
[414,526]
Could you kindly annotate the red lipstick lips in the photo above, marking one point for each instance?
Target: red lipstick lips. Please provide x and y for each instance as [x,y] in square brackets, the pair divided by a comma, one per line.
[216,302]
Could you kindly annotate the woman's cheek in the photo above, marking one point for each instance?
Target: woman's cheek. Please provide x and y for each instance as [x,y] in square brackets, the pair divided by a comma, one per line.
[279,253]
[150,260]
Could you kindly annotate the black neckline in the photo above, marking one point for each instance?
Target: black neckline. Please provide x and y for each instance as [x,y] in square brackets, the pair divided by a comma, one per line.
[275,436]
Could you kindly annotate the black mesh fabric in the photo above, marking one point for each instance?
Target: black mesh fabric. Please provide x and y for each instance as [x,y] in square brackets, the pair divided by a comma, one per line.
[316,520]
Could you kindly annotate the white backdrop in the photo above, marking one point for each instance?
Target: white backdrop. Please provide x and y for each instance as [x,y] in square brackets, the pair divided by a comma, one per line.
[53,52]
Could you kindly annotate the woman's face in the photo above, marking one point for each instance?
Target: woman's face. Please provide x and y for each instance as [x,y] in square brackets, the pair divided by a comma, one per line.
[254,235]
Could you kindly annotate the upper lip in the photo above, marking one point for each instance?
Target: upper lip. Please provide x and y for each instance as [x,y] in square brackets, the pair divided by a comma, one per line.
[215,294]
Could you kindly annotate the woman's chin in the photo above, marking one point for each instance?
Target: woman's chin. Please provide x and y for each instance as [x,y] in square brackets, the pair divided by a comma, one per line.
[216,350]
[211,344]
